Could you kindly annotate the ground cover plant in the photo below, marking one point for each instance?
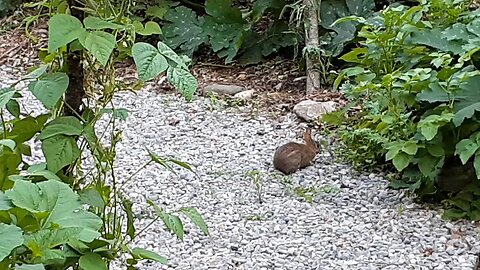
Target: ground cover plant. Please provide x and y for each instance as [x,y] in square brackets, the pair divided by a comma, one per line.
[414,81]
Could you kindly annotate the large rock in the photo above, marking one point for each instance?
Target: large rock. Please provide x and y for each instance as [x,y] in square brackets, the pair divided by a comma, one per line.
[223,89]
[310,110]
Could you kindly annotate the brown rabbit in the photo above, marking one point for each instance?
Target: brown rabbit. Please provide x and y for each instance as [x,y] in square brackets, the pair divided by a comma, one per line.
[293,156]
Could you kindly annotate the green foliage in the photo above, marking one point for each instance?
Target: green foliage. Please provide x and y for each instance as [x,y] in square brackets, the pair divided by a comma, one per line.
[58,214]
[228,31]
[416,80]
[337,34]
[6,6]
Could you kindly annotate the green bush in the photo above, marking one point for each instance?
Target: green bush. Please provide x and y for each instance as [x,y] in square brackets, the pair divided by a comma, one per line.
[415,78]
[6,6]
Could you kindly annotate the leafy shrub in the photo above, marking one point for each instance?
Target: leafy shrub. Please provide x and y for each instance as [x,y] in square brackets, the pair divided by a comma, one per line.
[416,80]
[55,214]
[228,31]
[6,6]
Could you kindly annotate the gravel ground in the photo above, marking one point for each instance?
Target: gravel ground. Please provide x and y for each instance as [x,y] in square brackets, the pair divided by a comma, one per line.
[353,221]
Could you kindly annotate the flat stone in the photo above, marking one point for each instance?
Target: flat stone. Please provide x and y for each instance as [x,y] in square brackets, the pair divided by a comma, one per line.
[223,89]
[310,110]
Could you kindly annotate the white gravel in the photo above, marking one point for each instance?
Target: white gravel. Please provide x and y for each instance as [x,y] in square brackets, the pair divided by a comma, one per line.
[354,221]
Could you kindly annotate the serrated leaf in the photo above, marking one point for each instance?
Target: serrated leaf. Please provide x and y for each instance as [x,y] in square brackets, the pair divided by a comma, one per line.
[476,165]
[49,88]
[196,218]
[95,23]
[60,151]
[226,27]
[92,261]
[183,81]
[100,44]
[467,100]
[401,161]
[58,206]
[150,63]
[141,253]
[12,237]
[64,125]
[184,30]
[62,29]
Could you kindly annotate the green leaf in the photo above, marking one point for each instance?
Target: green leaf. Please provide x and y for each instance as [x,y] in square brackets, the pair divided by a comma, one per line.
[434,38]
[150,28]
[476,165]
[100,44]
[36,73]
[184,30]
[120,113]
[5,203]
[11,236]
[410,147]
[41,170]
[24,129]
[466,148]
[226,27]
[44,243]
[156,11]
[64,125]
[172,222]
[453,214]
[170,54]
[92,261]
[96,23]
[91,197]
[436,150]
[183,81]
[196,218]
[6,94]
[13,108]
[150,63]
[140,253]
[49,88]
[58,206]
[401,161]
[62,29]
[60,151]
[434,93]
[428,165]
[8,143]
[393,150]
